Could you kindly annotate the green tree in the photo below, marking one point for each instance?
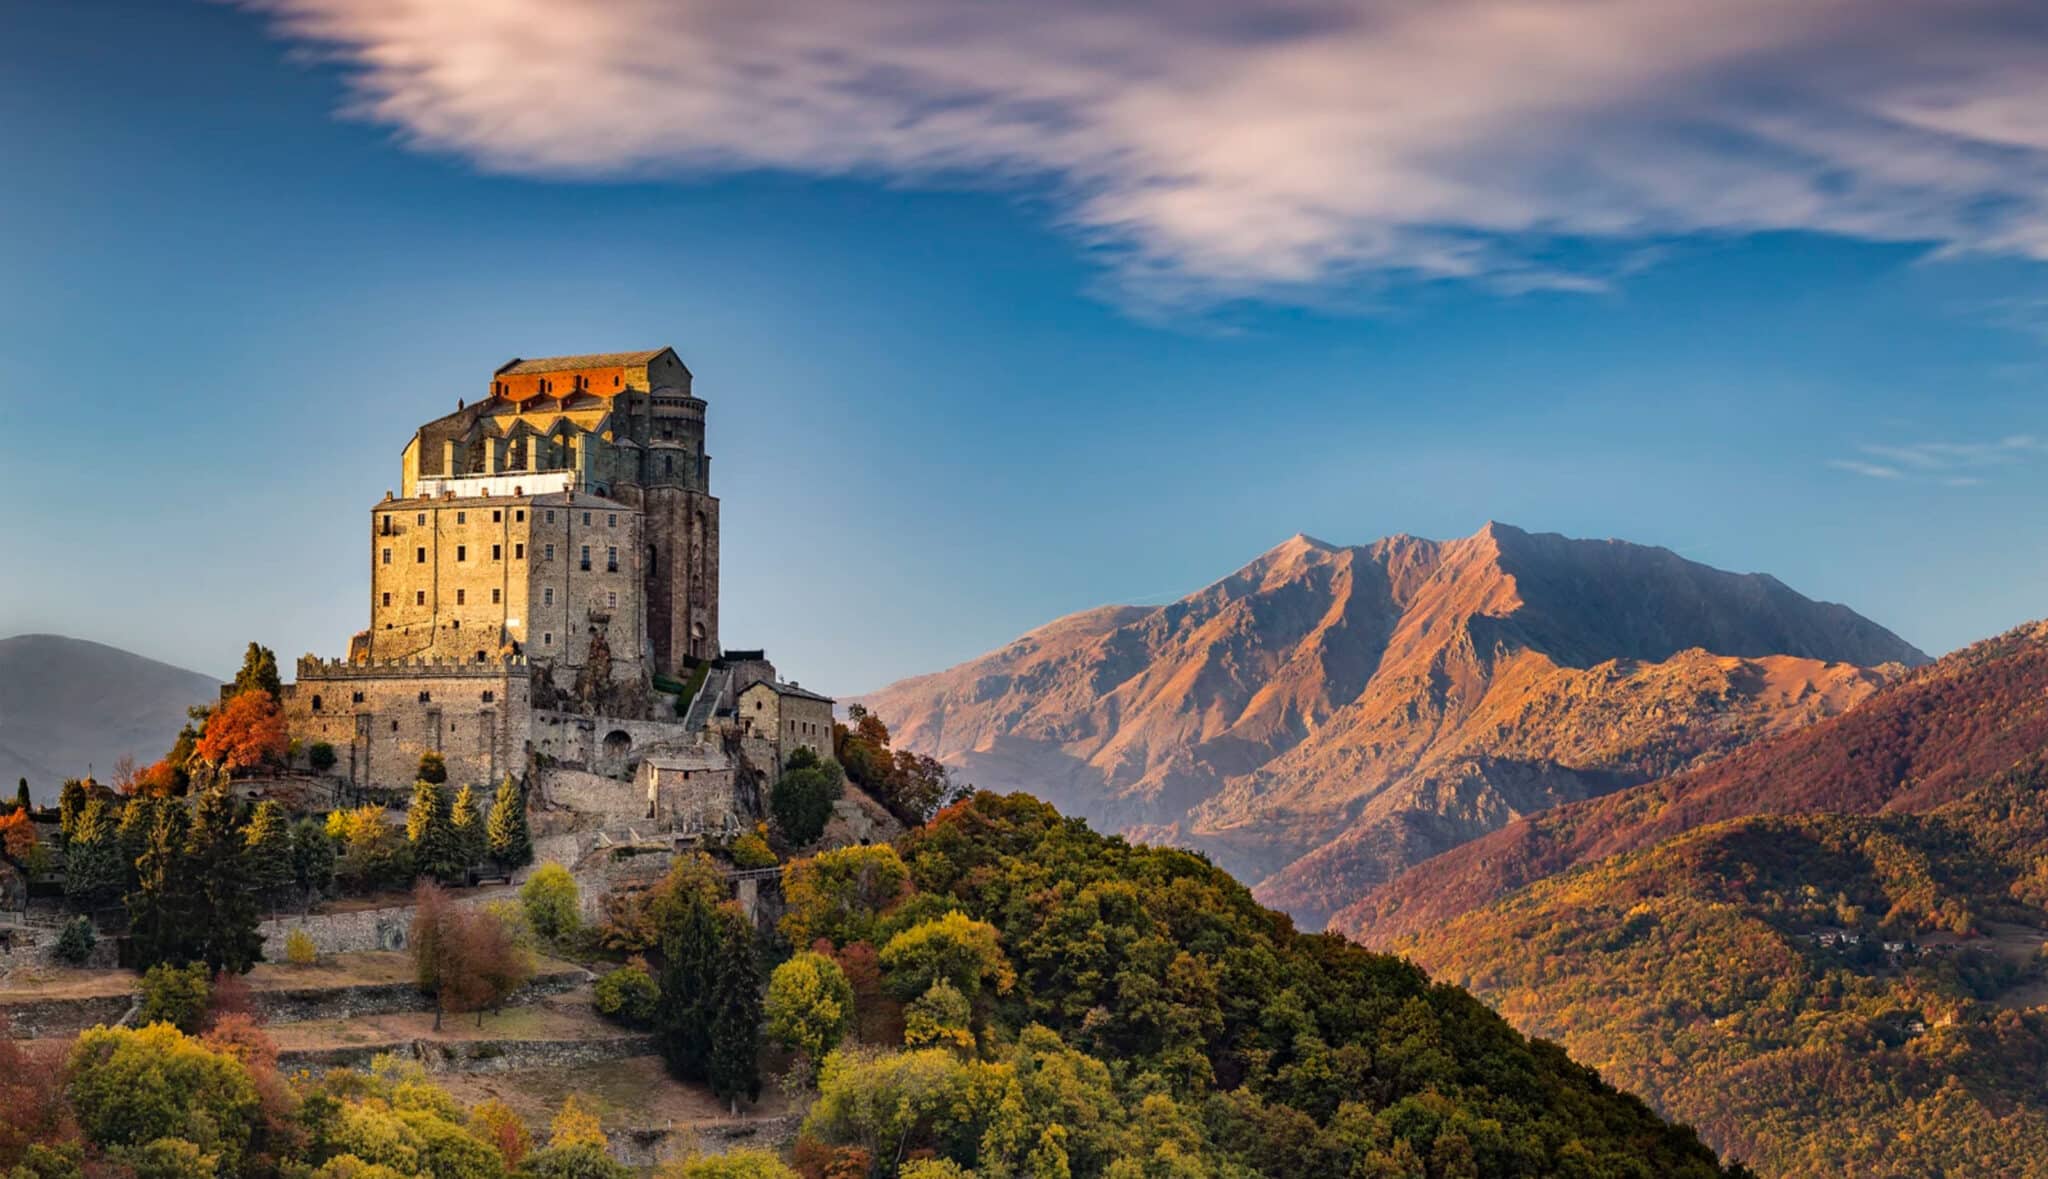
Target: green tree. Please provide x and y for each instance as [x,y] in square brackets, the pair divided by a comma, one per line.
[549,897]
[468,819]
[810,1006]
[217,861]
[320,755]
[691,943]
[629,995]
[939,1018]
[269,840]
[312,858]
[259,670]
[71,802]
[743,1163]
[21,797]
[583,1160]
[954,948]
[801,799]
[838,895]
[176,995]
[93,872]
[735,1065]
[131,1087]
[132,833]
[433,768]
[163,911]
[430,828]
[506,837]
[75,944]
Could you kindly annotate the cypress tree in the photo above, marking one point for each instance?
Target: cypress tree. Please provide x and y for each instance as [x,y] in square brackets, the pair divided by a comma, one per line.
[691,941]
[21,799]
[734,1068]
[269,841]
[217,856]
[133,833]
[161,913]
[506,836]
[468,819]
[259,670]
[312,858]
[93,873]
[431,830]
[71,800]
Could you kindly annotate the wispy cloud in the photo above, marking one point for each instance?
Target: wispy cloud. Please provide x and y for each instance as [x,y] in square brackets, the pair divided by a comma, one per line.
[1214,149]
[1950,464]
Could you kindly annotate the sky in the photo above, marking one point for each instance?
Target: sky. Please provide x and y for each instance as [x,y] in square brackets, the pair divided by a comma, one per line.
[1005,311]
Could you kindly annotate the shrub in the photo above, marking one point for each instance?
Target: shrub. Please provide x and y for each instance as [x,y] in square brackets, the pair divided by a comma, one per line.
[551,903]
[176,995]
[629,995]
[299,949]
[75,944]
[320,755]
[432,769]
[801,799]
[751,851]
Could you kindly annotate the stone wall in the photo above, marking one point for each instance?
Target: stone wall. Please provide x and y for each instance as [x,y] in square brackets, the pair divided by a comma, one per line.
[381,717]
[602,745]
[593,794]
[356,930]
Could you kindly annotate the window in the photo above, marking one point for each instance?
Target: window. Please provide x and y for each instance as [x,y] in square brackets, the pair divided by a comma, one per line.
[455,625]
[547,596]
[359,698]
[497,550]
[497,597]
[586,519]
[611,560]
[387,556]
[461,597]
[316,703]
[519,552]
[462,517]
[551,515]
[547,639]
[519,516]
[462,552]
[479,656]
[611,519]
[387,599]
[387,524]
[611,599]
[419,597]
[419,555]
[497,515]
[394,726]
[422,520]
[489,695]
[549,553]
[426,697]
[585,559]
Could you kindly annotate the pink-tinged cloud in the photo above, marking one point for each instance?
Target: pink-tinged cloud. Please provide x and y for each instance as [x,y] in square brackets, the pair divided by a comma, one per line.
[1217,149]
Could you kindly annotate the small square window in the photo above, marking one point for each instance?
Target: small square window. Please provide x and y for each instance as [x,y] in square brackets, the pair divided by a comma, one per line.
[586,518]
[387,599]
[422,519]
[359,697]
[519,552]
[461,597]
[548,553]
[419,555]
[497,550]
[519,516]
[419,597]
[496,597]
[387,556]
[547,596]
[611,520]
[462,552]
[489,695]
[497,515]
[551,515]
[462,517]
[547,639]
[426,697]
[611,599]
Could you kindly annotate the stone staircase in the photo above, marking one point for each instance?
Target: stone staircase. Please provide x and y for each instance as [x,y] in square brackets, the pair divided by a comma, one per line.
[716,682]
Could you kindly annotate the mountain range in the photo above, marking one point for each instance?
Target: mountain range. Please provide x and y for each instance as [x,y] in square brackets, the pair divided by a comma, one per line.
[1329,716]
[66,704]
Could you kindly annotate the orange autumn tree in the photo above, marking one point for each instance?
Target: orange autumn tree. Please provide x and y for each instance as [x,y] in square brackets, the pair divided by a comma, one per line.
[244,734]
[17,834]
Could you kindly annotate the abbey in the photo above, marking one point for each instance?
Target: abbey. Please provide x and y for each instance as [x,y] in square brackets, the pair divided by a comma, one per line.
[548,561]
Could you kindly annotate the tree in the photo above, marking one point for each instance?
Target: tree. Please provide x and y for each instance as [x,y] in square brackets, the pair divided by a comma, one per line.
[506,837]
[269,839]
[75,944]
[258,673]
[72,798]
[955,948]
[837,895]
[549,897]
[691,943]
[810,1006]
[130,1087]
[163,913]
[321,756]
[465,957]
[21,797]
[495,1122]
[432,768]
[430,828]
[138,814]
[246,733]
[629,995]
[575,1124]
[939,1018]
[312,858]
[176,995]
[735,1065]
[746,1162]
[371,854]
[93,872]
[468,819]
[584,1160]
[217,859]
[801,799]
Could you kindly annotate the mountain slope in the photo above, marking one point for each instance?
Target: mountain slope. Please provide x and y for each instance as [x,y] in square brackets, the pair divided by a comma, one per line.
[1715,974]
[69,703]
[1939,732]
[1329,715]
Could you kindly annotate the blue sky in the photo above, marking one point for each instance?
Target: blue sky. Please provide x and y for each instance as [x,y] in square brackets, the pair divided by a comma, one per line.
[1000,323]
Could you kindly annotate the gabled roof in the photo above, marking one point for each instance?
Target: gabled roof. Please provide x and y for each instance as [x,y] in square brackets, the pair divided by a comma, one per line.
[563,364]
[782,689]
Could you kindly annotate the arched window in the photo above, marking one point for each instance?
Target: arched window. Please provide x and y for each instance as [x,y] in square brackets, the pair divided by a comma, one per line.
[316,703]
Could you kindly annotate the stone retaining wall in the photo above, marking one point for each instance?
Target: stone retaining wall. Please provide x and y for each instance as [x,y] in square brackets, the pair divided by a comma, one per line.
[475,1056]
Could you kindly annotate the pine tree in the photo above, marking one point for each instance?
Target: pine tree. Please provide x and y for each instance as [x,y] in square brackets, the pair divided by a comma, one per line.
[217,856]
[690,948]
[259,670]
[93,873]
[312,858]
[734,1068]
[468,819]
[71,800]
[506,836]
[269,840]
[161,911]
[431,830]
[21,799]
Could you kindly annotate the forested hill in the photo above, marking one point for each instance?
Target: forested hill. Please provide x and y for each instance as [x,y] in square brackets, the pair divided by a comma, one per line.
[1942,731]
[1156,1021]
[1819,994]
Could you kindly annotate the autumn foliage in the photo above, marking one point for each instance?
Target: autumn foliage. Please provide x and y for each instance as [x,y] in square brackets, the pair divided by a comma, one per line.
[244,734]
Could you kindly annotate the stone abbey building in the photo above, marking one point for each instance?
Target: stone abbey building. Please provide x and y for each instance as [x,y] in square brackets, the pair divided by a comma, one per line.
[552,549]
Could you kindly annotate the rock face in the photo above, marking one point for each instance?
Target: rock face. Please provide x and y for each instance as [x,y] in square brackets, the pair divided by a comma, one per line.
[66,703]
[1327,716]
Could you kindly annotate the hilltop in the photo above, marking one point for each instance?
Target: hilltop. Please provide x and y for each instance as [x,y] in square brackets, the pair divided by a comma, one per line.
[1939,733]
[1328,716]
[68,703]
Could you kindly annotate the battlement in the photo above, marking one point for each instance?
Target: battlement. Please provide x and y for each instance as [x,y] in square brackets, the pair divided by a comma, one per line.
[312,667]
